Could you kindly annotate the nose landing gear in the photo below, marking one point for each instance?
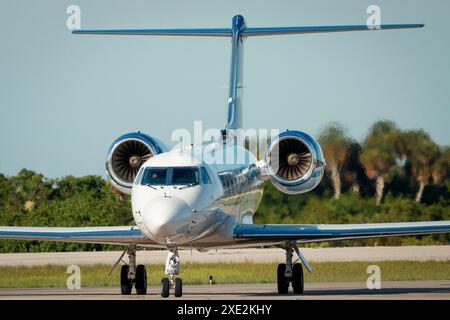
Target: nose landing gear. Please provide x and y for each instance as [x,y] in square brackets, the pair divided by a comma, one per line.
[172,269]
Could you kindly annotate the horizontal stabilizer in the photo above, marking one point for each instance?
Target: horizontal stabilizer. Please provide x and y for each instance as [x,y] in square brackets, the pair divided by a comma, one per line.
[161,32]
[249,32]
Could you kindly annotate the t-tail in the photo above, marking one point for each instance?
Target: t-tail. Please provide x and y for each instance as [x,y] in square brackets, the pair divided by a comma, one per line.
[238,32]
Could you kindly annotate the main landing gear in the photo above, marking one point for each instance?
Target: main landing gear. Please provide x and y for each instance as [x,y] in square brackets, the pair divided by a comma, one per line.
[172,269]
[291,273]
[132,275]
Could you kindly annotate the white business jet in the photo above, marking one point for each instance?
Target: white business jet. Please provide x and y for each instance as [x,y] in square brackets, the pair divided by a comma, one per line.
[180,200]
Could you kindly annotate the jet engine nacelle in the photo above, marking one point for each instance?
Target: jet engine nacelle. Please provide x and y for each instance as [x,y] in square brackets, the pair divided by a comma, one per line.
[294,162]
[127,154]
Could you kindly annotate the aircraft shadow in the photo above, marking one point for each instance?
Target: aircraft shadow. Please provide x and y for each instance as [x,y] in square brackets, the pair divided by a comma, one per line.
[217,293]
[329,292]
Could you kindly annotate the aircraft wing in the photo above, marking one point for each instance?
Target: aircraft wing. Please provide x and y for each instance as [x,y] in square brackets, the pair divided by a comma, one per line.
[304,233]
[123,235]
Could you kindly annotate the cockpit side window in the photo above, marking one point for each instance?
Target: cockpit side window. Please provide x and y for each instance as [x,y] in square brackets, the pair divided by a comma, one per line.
[205,176]
[138,178]
[154,176]
[181,176]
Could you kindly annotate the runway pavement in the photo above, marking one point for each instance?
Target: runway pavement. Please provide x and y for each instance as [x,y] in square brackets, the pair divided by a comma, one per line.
[408,253]
[391,290]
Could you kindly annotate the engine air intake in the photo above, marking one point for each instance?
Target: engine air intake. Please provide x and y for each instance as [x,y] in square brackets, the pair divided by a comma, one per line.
[294,162]
[128,157]
[127,154]
[294,159]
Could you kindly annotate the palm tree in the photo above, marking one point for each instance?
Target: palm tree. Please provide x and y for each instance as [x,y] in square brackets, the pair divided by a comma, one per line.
[336,149]
[353,172]
[378,154]
[441,166]
[424,153]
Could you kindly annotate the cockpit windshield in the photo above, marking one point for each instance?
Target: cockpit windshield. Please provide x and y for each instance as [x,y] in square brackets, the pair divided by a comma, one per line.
[185,176]
[170,176]
[154,176]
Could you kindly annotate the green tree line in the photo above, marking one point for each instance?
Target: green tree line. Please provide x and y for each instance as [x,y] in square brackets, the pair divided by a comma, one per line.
[392,175]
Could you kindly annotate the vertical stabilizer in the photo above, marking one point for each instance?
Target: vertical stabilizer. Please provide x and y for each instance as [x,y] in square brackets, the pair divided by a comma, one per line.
[236,74]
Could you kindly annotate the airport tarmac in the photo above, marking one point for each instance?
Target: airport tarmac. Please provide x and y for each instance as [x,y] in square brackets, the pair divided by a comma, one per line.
[397,290]
[391,290]
[267,255]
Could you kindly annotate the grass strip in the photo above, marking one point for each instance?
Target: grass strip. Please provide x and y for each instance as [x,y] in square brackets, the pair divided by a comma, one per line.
[224,273]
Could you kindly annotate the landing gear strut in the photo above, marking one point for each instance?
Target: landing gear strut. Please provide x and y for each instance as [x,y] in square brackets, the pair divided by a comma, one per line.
[131,274]
[172,269]
[290,273]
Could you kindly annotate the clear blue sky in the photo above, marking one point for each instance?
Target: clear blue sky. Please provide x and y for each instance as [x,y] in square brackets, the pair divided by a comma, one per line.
[64,98]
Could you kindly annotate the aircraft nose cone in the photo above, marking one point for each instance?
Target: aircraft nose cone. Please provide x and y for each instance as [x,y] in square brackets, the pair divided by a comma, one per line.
[166,218]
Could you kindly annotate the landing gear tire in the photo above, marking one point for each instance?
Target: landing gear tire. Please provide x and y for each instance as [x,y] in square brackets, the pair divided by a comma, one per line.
[141,280]
[178,288]
[125,283]
[282,281]
[297,279]
[165,290]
